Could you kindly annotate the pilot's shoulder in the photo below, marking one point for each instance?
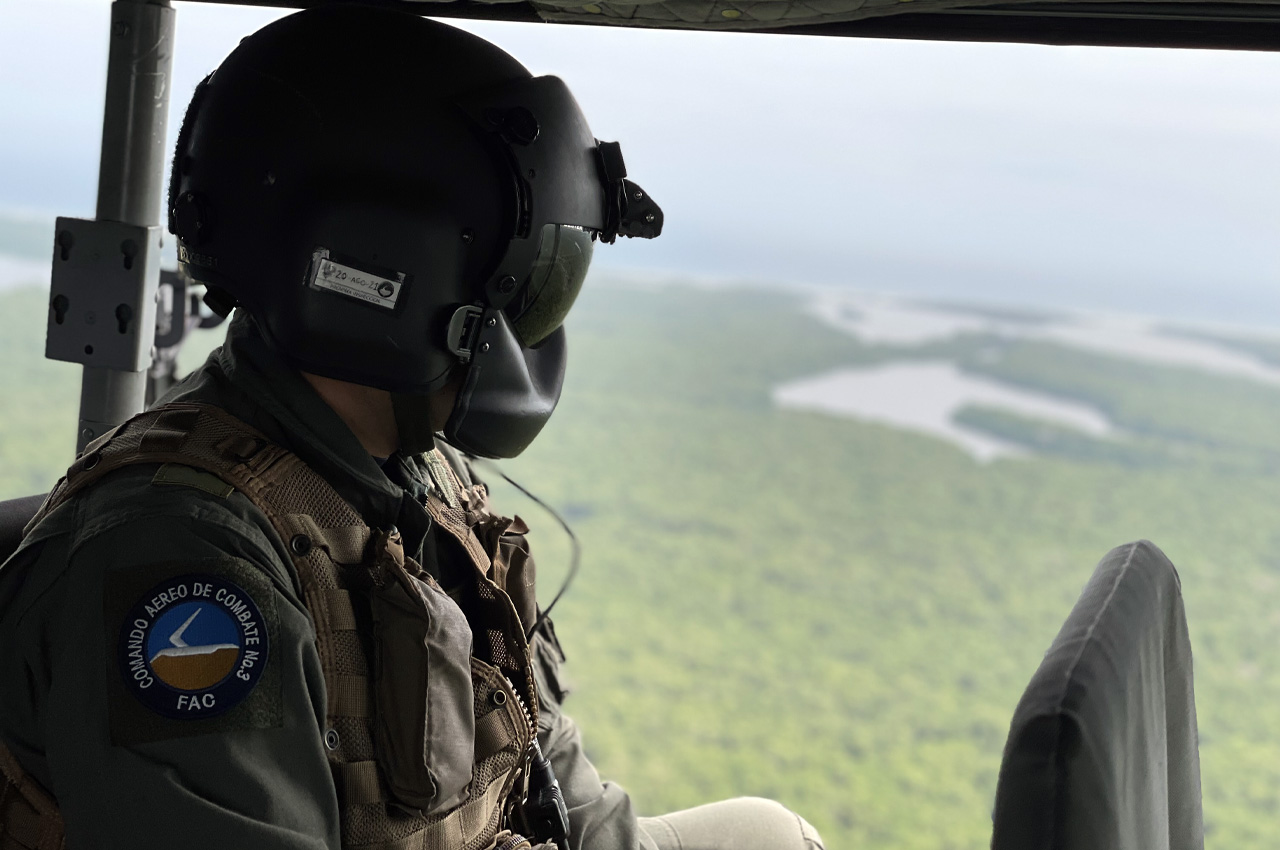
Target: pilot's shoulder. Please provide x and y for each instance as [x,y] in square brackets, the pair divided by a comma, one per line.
[152,513]
[145,550]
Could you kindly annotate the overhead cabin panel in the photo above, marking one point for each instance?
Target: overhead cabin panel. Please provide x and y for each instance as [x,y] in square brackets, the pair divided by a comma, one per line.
[1230,26]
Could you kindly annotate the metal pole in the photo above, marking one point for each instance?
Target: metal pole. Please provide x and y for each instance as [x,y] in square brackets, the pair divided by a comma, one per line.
[131,177]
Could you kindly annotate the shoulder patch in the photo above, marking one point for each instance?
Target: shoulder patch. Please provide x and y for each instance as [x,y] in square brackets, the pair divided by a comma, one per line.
[187,476]
[193,648]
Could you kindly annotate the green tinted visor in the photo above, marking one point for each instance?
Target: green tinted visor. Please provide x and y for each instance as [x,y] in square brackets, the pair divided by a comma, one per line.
[553,285]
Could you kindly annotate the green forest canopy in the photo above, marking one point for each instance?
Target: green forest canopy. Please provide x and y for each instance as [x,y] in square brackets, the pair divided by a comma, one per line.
[840,615]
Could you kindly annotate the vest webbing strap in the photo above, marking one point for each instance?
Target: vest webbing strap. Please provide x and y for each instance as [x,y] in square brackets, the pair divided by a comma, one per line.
[348,696]
[342,614]
[360,783]
[493,732]
[169,430]
[458,830]
[344,545]
[29,817]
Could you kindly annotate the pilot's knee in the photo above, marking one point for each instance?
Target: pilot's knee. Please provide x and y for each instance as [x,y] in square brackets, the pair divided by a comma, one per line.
[788,824]
[743,823]
[813,841]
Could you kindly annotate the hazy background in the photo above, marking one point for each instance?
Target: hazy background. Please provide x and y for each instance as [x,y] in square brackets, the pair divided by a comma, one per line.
[1138,180]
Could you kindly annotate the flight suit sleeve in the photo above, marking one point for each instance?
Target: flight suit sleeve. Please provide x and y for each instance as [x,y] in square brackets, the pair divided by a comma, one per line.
[170,677]
[600,813]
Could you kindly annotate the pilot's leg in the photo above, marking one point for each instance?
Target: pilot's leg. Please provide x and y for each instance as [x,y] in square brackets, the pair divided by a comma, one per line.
[744,823]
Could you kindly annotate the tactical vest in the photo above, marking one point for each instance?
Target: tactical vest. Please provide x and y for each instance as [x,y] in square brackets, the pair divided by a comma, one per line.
[334,554]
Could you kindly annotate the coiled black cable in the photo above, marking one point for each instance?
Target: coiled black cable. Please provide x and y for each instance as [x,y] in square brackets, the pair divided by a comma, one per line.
[575,557]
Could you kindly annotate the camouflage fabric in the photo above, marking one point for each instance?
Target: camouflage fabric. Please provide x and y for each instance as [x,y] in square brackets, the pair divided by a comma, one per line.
[127,774]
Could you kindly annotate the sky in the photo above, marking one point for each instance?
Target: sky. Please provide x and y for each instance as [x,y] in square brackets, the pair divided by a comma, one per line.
[1132,180]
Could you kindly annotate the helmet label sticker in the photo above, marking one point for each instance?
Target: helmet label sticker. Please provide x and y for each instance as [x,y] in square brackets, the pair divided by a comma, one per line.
[193,647]
[333,276]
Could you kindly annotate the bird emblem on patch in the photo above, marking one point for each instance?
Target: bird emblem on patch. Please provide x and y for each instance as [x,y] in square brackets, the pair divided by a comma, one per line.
[193,647]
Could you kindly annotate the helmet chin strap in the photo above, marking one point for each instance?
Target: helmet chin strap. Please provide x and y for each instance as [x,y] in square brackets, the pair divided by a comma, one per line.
[413,422]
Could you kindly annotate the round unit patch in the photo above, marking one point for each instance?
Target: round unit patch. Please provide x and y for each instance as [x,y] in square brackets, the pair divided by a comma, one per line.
[193,647]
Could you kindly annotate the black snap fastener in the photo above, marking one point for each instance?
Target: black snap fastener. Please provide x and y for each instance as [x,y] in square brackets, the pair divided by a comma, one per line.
[92,460]
[507,285]
[300,544]
[331,739]
[190,218]
[499,697]
[519,126]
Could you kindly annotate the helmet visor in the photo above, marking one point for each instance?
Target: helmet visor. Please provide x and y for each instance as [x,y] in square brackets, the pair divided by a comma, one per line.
[553,284]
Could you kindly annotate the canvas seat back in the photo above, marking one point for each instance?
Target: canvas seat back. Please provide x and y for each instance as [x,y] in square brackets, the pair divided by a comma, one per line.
[1103,750]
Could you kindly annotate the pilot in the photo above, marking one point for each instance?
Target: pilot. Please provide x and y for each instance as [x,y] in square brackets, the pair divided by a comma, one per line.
[277,609]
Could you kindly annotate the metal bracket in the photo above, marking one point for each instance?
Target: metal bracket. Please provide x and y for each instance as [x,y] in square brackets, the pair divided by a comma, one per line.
[463,329]
[102,307]
[640,215]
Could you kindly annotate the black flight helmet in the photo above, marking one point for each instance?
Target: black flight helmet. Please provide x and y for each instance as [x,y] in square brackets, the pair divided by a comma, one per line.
[400,204]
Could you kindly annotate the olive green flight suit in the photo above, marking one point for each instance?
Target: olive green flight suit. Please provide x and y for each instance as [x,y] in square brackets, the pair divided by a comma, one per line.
[263,783]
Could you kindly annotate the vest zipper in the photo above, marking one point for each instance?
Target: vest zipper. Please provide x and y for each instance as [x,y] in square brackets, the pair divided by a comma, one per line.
[520,788]
[524,709]
[512,841]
